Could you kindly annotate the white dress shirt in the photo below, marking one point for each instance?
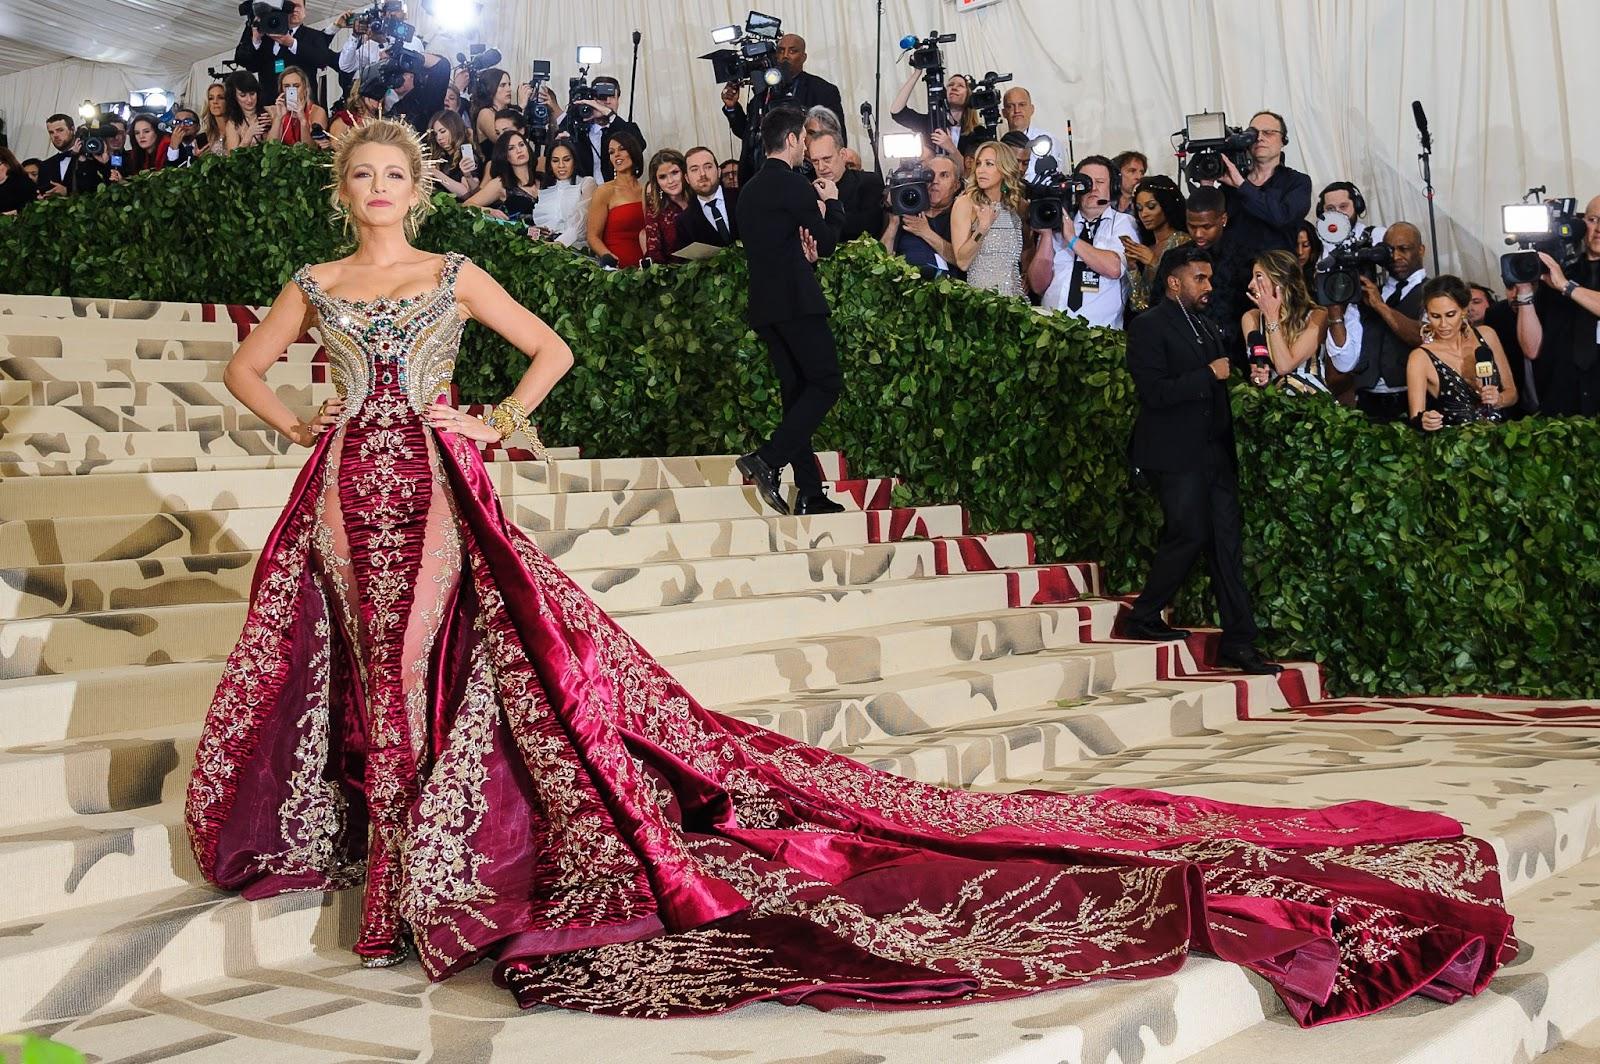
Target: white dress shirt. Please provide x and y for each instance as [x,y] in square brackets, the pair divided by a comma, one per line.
[1345,356]
[722,205]
[1103,297]
[358,53]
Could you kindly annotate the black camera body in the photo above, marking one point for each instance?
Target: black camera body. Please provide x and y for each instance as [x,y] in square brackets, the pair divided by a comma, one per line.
[928,57]
[1552,227]
[1340,271]
[384,20]
[391,73]
[272,20]
[985,96]
[752,53]
[93,137]
[910,188]
[537,112]
[1052,195]
[1207,139]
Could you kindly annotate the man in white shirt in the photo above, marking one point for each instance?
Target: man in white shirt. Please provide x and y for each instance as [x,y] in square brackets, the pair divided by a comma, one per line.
[711,218]
[1017,108]
[1089,262]
[1375,339]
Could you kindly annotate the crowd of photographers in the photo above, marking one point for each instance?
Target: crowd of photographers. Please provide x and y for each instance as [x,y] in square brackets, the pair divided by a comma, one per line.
[1312,296]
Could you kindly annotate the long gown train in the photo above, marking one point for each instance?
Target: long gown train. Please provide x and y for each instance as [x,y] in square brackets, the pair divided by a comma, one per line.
[423,703]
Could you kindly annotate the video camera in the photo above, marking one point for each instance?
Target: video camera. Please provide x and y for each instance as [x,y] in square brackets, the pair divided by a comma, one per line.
[752,55]
[385,21]
[475,60]
[537,113]
[910,183]
[928,57]
[93,136]
[1340,271]
[1052,196]
[1551,226]
[269,18]
[390,74]
[1207,137]
[985,96]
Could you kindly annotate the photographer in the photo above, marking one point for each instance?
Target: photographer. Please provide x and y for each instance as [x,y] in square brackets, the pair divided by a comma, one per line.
[72,170]
[923,239]
[362,49]
[1266,206]
[1017,107]
[860,193]
[1343,197]
[424,77]
[1557,327]
[1374,340]
[1086,265]
[797,88]
[711,218]
[593,124]
[963,119]
[303,46]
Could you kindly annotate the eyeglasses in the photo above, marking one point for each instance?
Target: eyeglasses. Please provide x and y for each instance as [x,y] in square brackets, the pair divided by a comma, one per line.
[185,121]
[1592,219]
[1267,132]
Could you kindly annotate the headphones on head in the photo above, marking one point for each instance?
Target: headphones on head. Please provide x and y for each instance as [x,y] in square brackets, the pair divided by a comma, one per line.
[1113,169]
[1356,197]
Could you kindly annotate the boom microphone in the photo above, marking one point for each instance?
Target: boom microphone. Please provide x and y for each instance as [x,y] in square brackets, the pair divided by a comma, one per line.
[1422,124]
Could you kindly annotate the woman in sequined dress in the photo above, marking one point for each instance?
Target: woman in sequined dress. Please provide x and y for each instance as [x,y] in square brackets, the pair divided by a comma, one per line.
[986,222]
[423,704]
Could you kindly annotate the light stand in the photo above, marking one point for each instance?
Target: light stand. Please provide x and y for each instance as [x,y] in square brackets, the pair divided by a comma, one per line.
[1426,158]
[633,78]
[872,137]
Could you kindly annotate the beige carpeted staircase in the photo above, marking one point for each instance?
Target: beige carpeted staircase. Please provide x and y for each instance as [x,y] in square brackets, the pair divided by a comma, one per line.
[136,494]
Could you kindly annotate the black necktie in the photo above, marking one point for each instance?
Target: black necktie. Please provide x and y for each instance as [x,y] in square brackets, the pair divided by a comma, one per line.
[718,220]
[1075,290]
[1397,295]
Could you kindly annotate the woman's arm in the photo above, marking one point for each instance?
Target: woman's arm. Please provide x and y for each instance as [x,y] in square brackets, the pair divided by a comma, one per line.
[246,374]
[458,189]
[599,207]
[962,231]
[489,193]
[1287,357]
[1417,391]
[485,125]
[486,302]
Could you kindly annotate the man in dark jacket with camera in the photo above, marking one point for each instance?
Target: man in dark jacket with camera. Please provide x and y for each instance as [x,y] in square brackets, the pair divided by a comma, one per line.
[1183,444]
[787,223]
[299,45]
[797,88]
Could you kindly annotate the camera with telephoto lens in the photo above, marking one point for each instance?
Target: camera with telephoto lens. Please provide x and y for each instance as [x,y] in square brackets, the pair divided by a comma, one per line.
[537,113]
[272,20]
[475,60]
[910,183]
[1052,195]
[985,96]
[1551,226]
[93,137]
[1340,271]
[928,57]
[390,74]
[385,21]
[750,55]
[1207,138]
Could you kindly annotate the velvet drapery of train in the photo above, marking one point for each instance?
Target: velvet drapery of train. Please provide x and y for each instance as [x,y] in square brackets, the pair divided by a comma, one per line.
[539,789]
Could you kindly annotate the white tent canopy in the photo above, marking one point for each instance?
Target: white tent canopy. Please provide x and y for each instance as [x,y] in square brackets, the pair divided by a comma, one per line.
[1507,83]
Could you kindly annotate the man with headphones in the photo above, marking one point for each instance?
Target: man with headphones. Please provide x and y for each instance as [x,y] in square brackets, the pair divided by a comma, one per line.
[1266,206]
[1344,198]
[1084,277]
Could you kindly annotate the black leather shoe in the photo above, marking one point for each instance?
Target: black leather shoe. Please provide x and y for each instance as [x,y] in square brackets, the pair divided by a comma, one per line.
[817,504]
[1247,659]
[1154,631]
[766,480]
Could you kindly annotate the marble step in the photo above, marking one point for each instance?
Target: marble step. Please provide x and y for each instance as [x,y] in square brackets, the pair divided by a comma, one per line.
[148,370]
[117,338]
[89,587]
[142,309]
[172,417]
[47,392]
[155,492]
[95,702]
[64,470]
[81,446]
[60,645]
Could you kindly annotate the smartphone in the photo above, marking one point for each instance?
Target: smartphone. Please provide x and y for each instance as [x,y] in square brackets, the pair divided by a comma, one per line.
[291,96]
[467,156]
[116,161]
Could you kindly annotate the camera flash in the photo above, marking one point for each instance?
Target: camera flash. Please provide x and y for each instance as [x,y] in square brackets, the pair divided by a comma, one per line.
[589,54]
[903,145]
[1041,146]
[725,34]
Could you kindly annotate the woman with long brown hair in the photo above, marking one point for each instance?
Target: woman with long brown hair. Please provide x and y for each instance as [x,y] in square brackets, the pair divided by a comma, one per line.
[1294,326]
[986,223]
[214,121]
[666,197]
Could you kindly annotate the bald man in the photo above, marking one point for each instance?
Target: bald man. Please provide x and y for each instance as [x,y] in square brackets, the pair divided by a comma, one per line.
[797,87]
[1375,341]
[1016,106]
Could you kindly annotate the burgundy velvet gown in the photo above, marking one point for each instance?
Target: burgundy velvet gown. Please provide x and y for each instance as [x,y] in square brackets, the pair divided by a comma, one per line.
[422,703]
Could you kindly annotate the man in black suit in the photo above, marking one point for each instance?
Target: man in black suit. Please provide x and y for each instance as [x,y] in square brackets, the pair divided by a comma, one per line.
[303,46]
[711,217]
[797,87]
[1375,342]
[785,229]
[1183,443]
[861,193]
[593,123]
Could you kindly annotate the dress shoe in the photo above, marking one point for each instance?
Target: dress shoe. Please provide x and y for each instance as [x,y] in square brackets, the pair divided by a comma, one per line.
[817,504]
[1154,631]
[766,480]
[1247,659]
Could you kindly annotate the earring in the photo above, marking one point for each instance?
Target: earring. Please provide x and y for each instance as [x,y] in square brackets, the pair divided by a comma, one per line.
[1427,333]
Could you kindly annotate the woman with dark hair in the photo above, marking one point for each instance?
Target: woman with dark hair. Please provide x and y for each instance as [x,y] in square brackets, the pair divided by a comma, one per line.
[246,120]
[455,169]
[562,213]
[616,213]
[492,93]
[147,147]
[1131,167]
[666,197]
[963,119]
[512,189]
[1159,214]
[1443,383]
[1293,325]
[17,190]
[1307,246]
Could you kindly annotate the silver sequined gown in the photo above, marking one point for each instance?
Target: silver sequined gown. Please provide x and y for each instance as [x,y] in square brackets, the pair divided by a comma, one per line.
[998,266]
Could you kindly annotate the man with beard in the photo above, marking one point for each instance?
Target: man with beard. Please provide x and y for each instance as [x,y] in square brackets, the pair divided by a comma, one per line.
[1183,444]
[797,88]
[710,219]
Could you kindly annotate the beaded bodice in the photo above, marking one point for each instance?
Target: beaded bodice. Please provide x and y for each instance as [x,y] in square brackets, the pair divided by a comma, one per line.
[409,344]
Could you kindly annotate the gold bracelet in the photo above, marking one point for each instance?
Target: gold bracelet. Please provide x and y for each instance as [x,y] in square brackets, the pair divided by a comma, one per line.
[507,418]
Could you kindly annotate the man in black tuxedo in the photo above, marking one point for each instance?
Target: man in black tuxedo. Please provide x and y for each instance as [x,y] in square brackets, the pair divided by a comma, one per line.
[1183,443]
[711,217]
[785,229]
[797,87]
[303,46]
[593,125]
[861,193]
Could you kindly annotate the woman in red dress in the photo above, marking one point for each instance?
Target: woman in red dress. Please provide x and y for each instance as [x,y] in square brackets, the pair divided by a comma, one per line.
[423,704]
[616,213]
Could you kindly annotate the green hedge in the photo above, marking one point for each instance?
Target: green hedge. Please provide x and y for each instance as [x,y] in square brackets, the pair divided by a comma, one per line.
[1463,561]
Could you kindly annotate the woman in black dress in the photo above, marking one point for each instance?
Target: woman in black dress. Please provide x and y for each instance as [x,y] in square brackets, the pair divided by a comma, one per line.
[1442,378]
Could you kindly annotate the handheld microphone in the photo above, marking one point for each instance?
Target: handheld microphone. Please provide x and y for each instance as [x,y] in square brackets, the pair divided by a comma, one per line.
[1422,125]
[1256,344]
[908,42]
[636,38]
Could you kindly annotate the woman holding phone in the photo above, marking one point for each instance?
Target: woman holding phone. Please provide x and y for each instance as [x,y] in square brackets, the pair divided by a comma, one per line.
[1158,210]
[455,163]
[247,121]
[295,113]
